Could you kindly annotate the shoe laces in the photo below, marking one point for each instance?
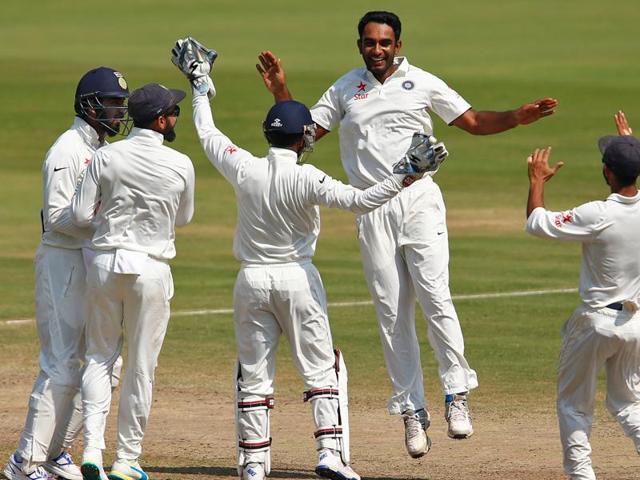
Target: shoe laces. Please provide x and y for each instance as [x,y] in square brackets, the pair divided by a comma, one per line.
[63,459]
[412,424]
[458,410]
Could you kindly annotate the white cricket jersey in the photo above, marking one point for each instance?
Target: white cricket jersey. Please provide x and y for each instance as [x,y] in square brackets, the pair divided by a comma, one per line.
[609,232]
[63,166]
[278,214]
[377,120]
[138,190]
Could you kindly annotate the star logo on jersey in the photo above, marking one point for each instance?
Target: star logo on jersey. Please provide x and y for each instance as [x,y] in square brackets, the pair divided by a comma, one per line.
[562,218]
[361,93]
[87,161]
[231,149]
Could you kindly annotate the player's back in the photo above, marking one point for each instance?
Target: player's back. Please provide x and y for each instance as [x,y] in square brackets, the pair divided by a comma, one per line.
[277,222]
[612,259]
[142,183]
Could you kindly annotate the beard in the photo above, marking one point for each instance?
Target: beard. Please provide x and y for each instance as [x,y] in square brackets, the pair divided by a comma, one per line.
[169,133]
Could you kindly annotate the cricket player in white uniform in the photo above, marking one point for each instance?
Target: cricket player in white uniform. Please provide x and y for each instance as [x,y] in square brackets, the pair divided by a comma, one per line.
[54,417]
[604,330]
[377,109]
[278,290]
[135,192]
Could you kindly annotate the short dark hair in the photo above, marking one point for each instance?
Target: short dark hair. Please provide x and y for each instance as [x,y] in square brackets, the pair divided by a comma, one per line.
[282,140]
[623,180]
[386,18]
[145,123]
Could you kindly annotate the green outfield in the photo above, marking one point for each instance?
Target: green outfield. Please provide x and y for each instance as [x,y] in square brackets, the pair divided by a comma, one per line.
[497,54]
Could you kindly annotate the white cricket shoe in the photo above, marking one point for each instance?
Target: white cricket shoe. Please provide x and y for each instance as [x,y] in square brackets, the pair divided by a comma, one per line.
[127,470]
[13,471]
[63,467]
[416,439]
[253,471]
[456,412]
[330,465]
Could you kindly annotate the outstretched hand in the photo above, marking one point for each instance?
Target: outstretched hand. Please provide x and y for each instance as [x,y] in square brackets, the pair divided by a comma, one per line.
[273,76]
[531,112]
[622,124]
[539,168]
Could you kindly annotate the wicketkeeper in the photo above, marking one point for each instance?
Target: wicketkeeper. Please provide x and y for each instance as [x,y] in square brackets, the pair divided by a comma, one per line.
[278,290]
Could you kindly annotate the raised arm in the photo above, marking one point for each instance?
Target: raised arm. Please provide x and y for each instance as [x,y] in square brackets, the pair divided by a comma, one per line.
[274,78]
[539,172]
[622,125]
[487,122]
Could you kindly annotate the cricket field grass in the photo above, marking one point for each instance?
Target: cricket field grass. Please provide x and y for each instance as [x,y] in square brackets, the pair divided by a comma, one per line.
[498,55]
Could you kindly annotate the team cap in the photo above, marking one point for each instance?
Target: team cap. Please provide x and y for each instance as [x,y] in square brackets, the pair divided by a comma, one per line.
[150,101]
[621,153]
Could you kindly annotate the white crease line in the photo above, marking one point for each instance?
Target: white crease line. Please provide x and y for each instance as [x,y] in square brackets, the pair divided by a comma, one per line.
[472,296]
[229,311]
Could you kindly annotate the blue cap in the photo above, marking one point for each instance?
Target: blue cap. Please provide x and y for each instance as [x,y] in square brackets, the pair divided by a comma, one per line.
[621,153]
[148,102]
[287,117]
[102,82]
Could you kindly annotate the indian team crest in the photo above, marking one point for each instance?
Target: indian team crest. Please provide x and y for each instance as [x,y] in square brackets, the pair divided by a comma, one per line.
[408,85]
[121,81]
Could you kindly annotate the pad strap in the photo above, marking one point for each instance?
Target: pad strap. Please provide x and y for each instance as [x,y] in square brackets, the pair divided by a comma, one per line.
[316,393]
[260,445]
[331,432]
[266,403]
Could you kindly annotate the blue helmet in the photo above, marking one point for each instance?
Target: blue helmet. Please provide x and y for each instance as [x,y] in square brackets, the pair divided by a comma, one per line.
[288,117]
[96,85]
[286,122]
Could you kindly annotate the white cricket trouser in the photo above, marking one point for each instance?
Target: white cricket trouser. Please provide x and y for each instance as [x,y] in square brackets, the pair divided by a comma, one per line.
[270,300]
[591,340]
[60,318]
[139,304]
[405,254]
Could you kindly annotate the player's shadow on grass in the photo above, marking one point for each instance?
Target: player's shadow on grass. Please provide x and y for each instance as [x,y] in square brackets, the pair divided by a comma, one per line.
[232,472]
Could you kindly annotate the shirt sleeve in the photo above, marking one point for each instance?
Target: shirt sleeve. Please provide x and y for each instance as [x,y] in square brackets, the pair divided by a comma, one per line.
[187,203]
[329,192]
[87,197]
[445,101]
[220,150]
[328,111]
[60,179]
[581,223]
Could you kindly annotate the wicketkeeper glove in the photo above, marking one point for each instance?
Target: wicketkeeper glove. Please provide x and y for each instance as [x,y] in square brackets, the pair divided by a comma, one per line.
[424,155]
[195,61]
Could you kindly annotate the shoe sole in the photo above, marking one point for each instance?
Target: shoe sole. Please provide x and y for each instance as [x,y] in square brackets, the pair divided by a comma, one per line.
[59,472]
[459,436]
[118,476]
[326,472]
[90,471]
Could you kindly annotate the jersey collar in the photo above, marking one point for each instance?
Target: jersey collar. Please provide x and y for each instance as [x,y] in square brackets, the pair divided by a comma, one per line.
[401,71]
[616,197]
[276,153]
[87,132]
[146,134]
